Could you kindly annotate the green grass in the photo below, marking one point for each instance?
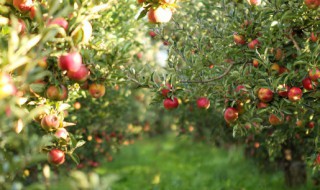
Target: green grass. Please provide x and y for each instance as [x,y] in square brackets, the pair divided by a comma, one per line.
[174,163]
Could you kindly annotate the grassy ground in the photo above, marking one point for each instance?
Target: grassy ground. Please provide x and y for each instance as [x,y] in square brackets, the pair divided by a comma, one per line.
[179,164]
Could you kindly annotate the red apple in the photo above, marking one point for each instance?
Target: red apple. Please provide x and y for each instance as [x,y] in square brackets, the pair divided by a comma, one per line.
[50,122]
[57,93]
[311,124]
[294,94]
[140,1]
[159,15]
[56,157]
[261,105]
[283,90]
[254,2]
[265,95]
[166,90]
[71,61]
[97,90]
[60,22]
[312,4]
[61,133]
[152,34]
[283,70]
[275,120]
[255,63]
[239,39]
[203,103]
[314,74]
[166,43]
[80,75]
[313,37]
[170,104]
[23,5]
[317,161]
[32,13]
[253,44]
[308,84]
[230,115]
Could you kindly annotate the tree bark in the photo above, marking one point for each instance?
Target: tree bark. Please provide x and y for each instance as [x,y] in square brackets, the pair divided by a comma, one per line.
[294,166]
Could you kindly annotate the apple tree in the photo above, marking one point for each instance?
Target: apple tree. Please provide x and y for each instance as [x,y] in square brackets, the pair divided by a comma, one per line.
[53,55]
[257,61]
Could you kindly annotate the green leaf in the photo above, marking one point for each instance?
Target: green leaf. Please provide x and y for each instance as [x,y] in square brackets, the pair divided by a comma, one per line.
[75,158]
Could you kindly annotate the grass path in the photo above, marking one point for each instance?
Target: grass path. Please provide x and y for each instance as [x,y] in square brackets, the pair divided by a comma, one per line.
[179,164]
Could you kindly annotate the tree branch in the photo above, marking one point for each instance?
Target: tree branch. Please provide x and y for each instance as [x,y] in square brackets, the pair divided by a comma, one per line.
[212,79]
[296,45]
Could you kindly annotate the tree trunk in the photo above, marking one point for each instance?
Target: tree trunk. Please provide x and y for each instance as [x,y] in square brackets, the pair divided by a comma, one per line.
[294,166]
[295,173]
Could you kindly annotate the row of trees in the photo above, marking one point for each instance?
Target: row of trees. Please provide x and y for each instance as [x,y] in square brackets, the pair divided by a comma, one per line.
[68,69]
[258,64]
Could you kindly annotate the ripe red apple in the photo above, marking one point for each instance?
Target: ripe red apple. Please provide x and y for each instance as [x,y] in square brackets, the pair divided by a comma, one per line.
[166,90]
[261,105]
[32,13]
[314,74]
[230,115]
[283,90]
[50,122]
[312,4]
[23,5]
[57,93]
[254,2]
[239,39]
[60,22]
[80,75]
[283,70]
[265,95]
[152,34]
[313,37]
[166,43]
[97,90]
[159,15]
[240,88]
[275,120]
[308,84]
[294,94]
[311,124]
[203,103]
[170,104]
[71,61]
[61,133]
[56,157]
[318,159]
[253,44]
[255,63]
